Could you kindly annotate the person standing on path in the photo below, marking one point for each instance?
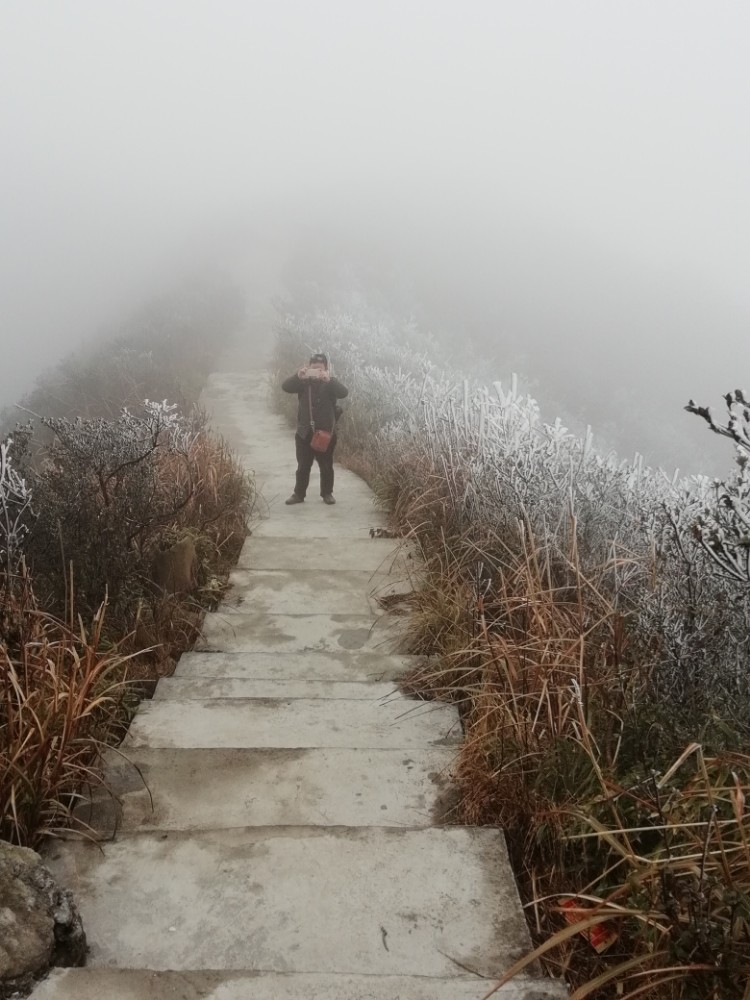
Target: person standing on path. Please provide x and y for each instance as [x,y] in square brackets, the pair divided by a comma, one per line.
[317,392]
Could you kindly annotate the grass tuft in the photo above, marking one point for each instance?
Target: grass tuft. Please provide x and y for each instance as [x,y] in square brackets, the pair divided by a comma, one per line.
[61,700]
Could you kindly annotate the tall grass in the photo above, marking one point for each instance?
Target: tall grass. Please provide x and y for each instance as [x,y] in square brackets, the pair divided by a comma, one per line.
[595,651]
[61,696]
[64,689]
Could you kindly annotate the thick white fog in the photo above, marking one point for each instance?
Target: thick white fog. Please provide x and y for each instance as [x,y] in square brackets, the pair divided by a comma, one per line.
[567,182]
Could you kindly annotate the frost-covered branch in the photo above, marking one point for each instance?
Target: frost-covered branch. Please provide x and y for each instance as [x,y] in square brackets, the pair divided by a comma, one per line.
[15,508]
[737,427]
[108,488]
[722,521]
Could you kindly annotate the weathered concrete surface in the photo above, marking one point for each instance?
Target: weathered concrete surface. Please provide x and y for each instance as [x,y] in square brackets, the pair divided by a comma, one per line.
[332,665]
[127,984]
[233,631]
[350,519]
[286,591]
[272,787]
[314,518]
[363,555]
[317,591]
[292,899]
[190,688]
[294,722]
[286,846]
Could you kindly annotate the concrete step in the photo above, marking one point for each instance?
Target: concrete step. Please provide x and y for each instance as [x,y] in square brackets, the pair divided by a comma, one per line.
[350,503]
[315,591]
[368,901]
[371,555]
[288,591]
[315,524]
[349,518]
[339,665]
[395,724]
[137,984]
[221,789]
[233,631]
[205,688]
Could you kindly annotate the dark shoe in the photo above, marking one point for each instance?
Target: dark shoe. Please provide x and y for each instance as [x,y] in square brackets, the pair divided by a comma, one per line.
[294,499]
[328,498]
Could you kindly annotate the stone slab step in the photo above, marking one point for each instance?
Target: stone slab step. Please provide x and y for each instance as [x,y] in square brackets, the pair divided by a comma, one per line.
[369,901]
[231,631]
[340,665]
[314,591]
[395,724]
[372,555]
[314,518]
[357,529]
[137,984]
[204,688]
[221,789]
[352,501]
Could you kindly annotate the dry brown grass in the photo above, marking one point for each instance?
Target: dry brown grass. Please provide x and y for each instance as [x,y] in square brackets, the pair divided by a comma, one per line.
[555,708]
[67,690]
[536,657]
[62,696]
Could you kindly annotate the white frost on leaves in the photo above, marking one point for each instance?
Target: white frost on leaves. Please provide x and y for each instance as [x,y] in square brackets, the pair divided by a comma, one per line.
[679,549]
[112,443]
[107,448]
[15,507]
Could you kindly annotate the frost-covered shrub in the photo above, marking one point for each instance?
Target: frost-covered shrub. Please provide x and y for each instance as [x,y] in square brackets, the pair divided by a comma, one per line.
[591,618]
[103,493]
[109,493]
[15,504]
[492,473]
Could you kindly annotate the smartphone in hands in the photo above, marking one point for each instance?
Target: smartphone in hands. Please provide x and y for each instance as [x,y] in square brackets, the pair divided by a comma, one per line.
[313,375]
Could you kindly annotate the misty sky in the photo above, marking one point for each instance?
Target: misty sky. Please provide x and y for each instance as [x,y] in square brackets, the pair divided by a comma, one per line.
[610,138]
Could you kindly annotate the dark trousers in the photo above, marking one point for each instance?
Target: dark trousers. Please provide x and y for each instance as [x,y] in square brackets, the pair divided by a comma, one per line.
[305,458]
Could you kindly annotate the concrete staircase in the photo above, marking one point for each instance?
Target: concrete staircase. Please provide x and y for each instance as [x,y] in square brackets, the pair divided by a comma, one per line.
[285,843]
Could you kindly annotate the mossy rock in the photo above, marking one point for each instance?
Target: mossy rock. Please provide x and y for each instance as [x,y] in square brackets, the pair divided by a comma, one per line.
[39,923]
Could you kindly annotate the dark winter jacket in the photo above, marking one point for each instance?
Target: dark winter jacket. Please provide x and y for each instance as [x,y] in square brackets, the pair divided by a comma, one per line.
[324,396]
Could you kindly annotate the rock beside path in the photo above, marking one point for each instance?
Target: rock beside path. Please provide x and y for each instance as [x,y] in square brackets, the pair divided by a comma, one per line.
[39,923]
